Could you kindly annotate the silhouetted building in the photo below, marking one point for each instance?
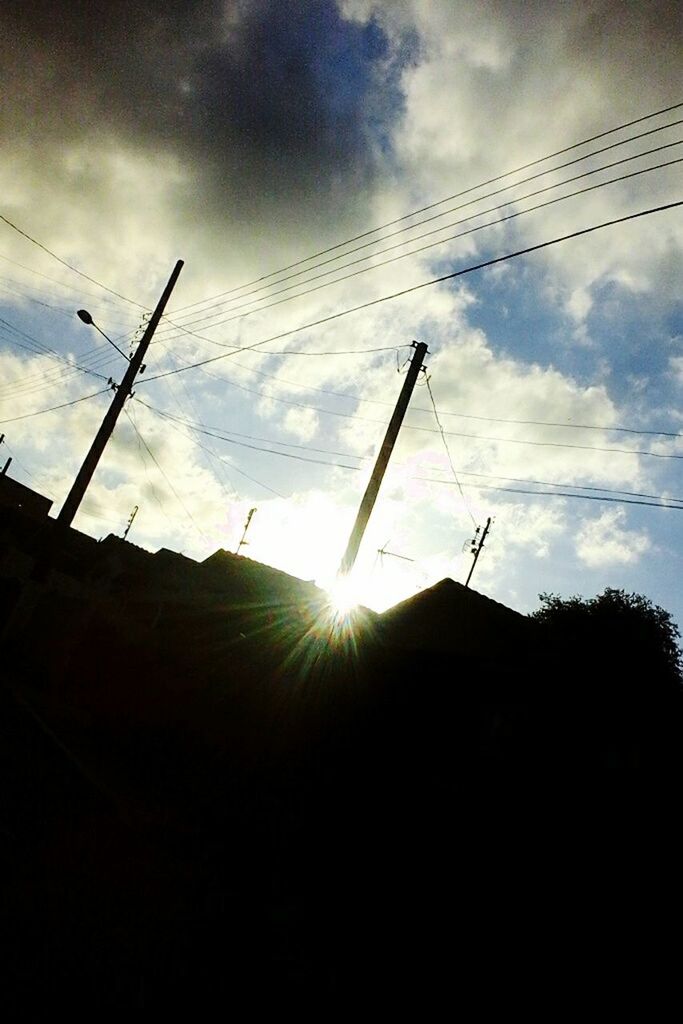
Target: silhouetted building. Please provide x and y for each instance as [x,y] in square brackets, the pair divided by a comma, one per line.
[16,495]
[449,618]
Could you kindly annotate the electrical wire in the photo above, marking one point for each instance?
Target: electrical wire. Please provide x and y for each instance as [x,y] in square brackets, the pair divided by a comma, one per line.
[40,349]
[249,437]
[440,202]
[220,433]
[243,444]
[558,494]
[143,460]
[462,415]
[15,288]
[448,451]
[578,487]
[425,284]
[423,248]
[54,280]
[47,378]
[208,448]
[163,473]
[69,265]
[53,408]
[438,230]
[431,430]
[227,462]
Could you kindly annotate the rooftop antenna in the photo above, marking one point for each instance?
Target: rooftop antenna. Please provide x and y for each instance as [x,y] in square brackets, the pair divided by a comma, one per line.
[391,554]
[244,532]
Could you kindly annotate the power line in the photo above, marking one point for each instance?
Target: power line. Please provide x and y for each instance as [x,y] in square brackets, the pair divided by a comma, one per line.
[431,430]
[448,452]
[424,284]
[69,265]
[558,494]
[444,227]
[250,437]
[15,390]
[69,367]
[54,280]
[219,433]
[163,473]
[578,487]
[243,444]
[41,349]
[17,288]
[53,408]
[440,202]
[220,458]
[192,410]
[462,415]
[26,470]
[430,245]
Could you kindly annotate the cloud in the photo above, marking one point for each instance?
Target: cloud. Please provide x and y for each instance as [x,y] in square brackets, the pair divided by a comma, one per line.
[676,366]
[244,136]
[605,541]
[267,120]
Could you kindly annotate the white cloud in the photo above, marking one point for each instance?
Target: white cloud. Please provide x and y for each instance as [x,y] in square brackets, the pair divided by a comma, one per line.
[605,541]
[491,87]
[302,423]
[676,365]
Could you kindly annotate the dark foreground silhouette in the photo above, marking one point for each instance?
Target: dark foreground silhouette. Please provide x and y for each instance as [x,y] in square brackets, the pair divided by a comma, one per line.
[214,795]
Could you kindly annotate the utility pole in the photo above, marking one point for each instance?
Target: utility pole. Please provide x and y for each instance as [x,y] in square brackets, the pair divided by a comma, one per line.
[476,548]
[123,391]
[131,517]
[372,490]
[244,532]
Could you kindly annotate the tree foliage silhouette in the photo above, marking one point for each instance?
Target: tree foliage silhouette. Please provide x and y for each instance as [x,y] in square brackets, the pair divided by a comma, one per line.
[627,639]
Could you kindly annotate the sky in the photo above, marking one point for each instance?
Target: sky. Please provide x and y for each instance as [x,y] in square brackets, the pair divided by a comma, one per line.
[296,155]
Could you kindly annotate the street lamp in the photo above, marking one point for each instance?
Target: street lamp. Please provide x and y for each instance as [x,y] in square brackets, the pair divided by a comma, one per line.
[85,316]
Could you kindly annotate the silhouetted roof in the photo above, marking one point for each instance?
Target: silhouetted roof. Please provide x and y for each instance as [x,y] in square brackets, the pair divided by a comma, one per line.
[19,496]
[451,617]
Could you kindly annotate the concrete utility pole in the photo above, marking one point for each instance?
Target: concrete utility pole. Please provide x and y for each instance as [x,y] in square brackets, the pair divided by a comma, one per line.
[372,490]
[124,390]
[476,548]
[244,533]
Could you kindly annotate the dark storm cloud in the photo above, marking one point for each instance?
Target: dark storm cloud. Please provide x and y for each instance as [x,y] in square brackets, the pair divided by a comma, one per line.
[267,101]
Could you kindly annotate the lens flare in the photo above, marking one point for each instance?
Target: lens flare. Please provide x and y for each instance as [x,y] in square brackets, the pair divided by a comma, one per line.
[342,595]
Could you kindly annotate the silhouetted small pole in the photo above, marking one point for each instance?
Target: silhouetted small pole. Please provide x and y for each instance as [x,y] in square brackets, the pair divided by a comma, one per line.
[131,517]
[6,466]
[372,490]
[244,532]
[125,388]
[477,549]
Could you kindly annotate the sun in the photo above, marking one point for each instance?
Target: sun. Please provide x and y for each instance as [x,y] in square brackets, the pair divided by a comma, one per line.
[342,594]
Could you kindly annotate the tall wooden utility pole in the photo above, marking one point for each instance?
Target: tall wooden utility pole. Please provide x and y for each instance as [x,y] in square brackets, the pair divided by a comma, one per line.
[382,461]
[80,484]
[476,549]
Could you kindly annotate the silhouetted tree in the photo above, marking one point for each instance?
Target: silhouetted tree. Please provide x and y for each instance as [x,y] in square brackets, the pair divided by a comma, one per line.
[613,679]
[624,636]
